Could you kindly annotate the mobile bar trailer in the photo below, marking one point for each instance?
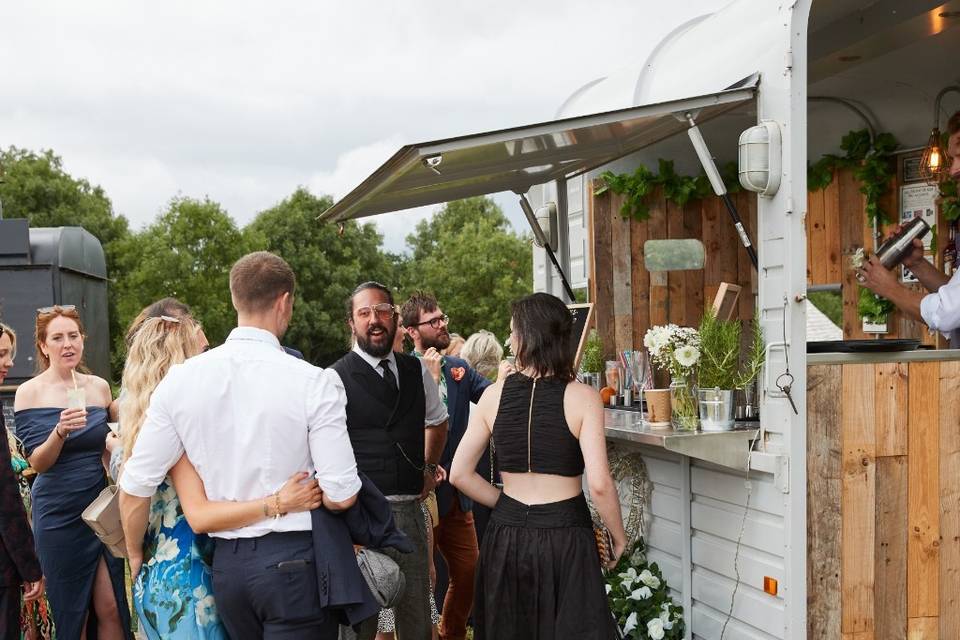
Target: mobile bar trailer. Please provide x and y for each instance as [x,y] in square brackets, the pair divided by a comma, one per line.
[849,523]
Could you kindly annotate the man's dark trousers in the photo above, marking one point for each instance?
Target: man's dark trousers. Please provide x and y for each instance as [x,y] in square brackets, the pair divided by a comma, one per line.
[266,587]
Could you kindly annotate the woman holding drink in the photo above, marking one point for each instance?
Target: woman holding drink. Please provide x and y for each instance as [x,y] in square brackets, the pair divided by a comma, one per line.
[61,419]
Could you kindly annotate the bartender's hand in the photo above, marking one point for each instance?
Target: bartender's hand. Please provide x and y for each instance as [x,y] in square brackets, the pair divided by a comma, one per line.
[878,279]
[913,257]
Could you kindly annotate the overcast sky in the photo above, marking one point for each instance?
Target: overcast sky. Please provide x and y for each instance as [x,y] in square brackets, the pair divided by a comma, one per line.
[243,102]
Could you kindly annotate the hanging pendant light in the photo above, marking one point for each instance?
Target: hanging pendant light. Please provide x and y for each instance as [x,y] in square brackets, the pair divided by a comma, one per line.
[934,165]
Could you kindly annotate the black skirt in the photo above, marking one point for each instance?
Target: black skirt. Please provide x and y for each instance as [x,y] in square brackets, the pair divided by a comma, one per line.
[539,575]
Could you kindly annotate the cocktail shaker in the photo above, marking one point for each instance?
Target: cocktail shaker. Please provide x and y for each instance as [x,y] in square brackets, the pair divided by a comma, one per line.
[893,250]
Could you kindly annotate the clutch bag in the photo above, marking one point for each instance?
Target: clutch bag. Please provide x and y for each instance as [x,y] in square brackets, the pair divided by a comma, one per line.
[103,516]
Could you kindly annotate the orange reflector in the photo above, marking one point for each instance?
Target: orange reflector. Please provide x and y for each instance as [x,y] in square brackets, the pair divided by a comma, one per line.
[770,585]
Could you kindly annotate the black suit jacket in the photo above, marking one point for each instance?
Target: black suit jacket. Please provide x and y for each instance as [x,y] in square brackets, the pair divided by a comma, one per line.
[18,560]
[367,523]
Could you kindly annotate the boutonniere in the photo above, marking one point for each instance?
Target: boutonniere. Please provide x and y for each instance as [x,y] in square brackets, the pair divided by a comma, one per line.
[457,373]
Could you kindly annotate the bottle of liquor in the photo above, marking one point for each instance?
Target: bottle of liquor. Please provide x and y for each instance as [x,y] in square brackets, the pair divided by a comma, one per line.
[950,250]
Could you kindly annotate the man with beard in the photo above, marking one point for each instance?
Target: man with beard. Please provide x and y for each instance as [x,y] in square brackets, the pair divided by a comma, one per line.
[397,426]
[456,535]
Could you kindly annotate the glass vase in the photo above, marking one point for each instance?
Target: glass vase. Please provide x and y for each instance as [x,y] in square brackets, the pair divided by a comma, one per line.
[684,412]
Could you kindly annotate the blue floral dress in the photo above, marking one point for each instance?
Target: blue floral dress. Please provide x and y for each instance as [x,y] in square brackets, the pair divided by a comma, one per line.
[173,593]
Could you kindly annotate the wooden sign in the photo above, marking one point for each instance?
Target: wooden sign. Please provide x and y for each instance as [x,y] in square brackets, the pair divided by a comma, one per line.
[582,314]
[725,302]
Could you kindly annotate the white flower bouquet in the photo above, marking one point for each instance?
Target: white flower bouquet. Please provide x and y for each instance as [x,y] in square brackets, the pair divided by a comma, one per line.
[640,599]
[673,348]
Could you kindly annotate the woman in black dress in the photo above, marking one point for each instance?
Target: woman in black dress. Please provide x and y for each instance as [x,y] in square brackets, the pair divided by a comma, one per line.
[539,575]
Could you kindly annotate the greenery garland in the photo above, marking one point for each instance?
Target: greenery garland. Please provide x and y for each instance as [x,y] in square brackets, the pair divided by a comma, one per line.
[871,167]
[678,189]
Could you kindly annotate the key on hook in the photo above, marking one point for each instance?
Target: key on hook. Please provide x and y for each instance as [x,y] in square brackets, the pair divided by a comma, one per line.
[785,389]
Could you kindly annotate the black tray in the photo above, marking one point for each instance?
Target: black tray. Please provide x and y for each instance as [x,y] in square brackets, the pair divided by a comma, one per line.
[861,346]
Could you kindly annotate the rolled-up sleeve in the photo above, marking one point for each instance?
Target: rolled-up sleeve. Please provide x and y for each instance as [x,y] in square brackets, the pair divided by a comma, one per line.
[436,412]
[157,448]
[330,446]
[941,310]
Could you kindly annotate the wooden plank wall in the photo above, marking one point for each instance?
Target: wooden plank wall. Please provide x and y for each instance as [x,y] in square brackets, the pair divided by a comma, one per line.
[631,299]
[883,501]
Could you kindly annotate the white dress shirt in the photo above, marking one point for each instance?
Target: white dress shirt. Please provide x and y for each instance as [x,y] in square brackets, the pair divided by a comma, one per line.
[436,411]
[248,416]
[941,310]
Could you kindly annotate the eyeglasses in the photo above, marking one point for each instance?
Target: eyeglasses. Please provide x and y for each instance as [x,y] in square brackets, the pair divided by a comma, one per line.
[384,311]
[435,322]
[56,307]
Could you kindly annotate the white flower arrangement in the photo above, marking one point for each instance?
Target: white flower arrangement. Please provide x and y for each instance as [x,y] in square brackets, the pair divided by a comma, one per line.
[858,258]
[640,599]
[673,348]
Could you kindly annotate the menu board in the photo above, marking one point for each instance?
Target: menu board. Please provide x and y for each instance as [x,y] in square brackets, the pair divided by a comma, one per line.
[582,314]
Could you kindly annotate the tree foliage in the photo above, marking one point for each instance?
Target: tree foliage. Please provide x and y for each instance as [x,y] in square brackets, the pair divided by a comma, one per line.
[469,257]
[328,267]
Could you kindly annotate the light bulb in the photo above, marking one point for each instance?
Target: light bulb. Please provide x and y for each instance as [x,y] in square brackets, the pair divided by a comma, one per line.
[934,161]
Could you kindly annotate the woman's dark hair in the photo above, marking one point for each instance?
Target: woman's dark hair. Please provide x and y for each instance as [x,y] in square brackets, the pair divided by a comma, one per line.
[543,325]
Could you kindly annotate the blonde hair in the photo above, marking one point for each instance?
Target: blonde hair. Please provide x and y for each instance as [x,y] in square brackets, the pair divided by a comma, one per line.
[8,330]
[158,344]
[483,352]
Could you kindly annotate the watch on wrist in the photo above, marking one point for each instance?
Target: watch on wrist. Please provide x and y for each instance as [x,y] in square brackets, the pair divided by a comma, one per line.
[430,468]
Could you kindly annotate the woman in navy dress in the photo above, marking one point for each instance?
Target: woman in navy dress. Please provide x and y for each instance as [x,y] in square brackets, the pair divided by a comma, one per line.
[85,584]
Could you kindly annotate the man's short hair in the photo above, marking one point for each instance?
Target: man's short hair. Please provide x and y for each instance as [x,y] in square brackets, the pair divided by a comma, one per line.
[953,124]
[370,284]
[258,279]
[418,303]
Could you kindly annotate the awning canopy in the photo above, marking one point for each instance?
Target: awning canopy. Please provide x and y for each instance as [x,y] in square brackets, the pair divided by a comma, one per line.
[517,159]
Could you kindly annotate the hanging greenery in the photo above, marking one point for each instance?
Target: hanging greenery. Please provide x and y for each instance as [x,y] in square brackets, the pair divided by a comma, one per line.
[871,167]
[678,189]
[949,204]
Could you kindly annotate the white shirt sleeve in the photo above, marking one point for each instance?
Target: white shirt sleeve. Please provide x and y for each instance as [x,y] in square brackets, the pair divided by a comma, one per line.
[330,446]
[941,310]
[436,412]
[158,446]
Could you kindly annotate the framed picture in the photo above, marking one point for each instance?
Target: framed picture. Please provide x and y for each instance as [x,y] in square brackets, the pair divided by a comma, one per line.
[582,315]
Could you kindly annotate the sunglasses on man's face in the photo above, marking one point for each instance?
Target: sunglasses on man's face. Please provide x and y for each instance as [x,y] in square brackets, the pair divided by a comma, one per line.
[383,311]
[57,307]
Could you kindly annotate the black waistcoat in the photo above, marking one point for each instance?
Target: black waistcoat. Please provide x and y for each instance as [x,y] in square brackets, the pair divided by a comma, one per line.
[384,426]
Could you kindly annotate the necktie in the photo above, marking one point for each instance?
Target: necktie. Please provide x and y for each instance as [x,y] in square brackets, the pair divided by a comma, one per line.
[388,377]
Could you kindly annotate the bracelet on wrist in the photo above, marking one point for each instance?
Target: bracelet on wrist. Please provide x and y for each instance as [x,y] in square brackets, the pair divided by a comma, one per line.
[59,433]
[266,510]
[276,498]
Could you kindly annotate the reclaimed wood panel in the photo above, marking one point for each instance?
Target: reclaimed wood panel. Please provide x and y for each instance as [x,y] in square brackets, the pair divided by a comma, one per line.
[601,261]
[710,213]
[620,248]
[639,282]
[923,571]
[693,278]
[858,497]
[676,280]
[950,500]
[817,243]
[823,501]
[890,548]
[659,285]
[833,254]
[891,396]
[923,628]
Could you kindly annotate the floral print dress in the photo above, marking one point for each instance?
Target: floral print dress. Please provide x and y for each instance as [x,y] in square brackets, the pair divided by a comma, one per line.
[173,592]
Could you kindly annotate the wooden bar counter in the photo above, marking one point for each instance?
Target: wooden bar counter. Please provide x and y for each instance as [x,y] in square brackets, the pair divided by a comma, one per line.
[883,495]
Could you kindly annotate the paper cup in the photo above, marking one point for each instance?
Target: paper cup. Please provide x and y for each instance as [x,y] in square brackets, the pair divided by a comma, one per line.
[658,406]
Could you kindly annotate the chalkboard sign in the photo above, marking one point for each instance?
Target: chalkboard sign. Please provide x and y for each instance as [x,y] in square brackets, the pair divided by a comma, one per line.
[582,313]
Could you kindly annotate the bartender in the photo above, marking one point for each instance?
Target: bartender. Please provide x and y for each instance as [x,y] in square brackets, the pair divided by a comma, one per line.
[939,309]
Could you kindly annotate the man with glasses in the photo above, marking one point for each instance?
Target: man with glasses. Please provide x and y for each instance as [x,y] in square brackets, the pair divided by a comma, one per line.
[397,426]
[459,385]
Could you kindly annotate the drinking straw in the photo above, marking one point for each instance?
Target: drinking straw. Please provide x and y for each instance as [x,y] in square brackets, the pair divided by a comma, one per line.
[73,374]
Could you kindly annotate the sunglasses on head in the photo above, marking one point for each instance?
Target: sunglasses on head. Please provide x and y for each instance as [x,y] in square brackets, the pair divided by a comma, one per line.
[56,307]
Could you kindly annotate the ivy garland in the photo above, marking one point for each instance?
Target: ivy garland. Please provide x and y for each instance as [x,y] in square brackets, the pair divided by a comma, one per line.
[871,167]
[677,188]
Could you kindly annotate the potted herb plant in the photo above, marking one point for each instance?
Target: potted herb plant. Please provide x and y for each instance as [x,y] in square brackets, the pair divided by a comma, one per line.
[591,363]
[720,373]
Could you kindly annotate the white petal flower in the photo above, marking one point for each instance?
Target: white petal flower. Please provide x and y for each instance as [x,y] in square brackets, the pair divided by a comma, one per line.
[609,588]
[858,258]
[649,579]
[687,356]
[628,577]
[655,629]
[641,594]
[206,609]
[167,549]
[631,623]
[665,619]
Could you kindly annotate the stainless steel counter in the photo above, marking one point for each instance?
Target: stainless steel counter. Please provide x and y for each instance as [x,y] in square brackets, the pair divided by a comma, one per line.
[917,355]
[727,448]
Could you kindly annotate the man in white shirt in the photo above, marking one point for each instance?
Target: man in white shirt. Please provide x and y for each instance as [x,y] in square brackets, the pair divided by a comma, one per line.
[248,416]
[398,427]
[939,309]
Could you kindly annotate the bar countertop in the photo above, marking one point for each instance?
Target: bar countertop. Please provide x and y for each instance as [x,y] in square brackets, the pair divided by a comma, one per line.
[916,355]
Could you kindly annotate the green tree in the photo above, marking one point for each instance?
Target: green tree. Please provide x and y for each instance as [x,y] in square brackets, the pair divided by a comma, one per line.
[471,259]
[329,265]
[35,186]
[186,253]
